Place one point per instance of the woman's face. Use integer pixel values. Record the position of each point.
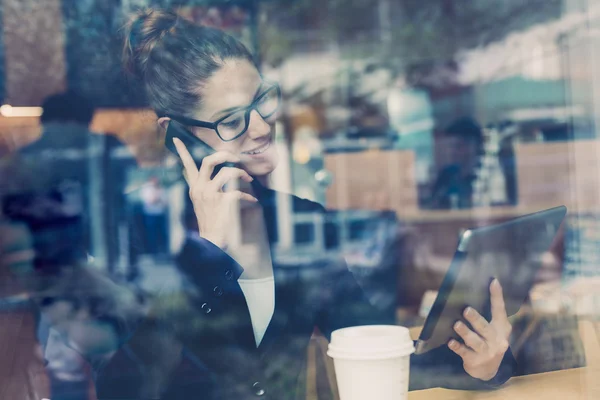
(235, 85)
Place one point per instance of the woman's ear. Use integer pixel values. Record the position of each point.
(164, 122)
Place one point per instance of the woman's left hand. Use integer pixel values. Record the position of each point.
(485, 345)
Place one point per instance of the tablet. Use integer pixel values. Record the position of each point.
(511, 251)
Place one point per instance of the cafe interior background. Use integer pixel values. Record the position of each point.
(379, 96)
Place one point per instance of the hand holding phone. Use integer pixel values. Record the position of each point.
(191, 143)
(214, 208)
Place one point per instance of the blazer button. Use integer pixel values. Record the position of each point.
(228, 275)
(206, 308)
(258, 389)
(218, 291)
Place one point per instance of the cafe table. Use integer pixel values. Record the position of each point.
(570, 384)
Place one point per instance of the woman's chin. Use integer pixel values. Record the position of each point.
(261, 170)
(263, 167)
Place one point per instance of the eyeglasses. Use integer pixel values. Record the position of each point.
(235, 124)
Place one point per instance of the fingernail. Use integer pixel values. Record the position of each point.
(468, 311)
(452, 344)
(457, 325)
(496, 283)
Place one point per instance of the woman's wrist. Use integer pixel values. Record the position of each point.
(220, 243)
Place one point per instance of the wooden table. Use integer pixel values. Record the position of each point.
(572, 384)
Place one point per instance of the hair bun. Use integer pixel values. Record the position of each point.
(145, 29)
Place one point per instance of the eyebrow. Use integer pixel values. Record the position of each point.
(222, 113)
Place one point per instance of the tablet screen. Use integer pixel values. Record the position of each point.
(511, 252)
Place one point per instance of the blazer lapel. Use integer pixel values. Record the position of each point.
(284, 301)
(281, 314)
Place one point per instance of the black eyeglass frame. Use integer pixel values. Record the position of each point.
(248, 110)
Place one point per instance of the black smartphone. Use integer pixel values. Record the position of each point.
(191, 142)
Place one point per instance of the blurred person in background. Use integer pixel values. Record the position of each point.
(54, 176)
(46, 189)
(154, 208)
(116, 161)
(243, 328)
(463, 144)
(57, 317)
(51, 191)
(82, 169)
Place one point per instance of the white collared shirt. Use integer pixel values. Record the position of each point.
(260, 297)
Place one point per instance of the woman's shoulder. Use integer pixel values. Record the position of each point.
(300, 204)
(303, 204)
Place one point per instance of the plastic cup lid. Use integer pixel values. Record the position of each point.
(371, 342)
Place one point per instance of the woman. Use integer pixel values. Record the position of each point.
(244, 329)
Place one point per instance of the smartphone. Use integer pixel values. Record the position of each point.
(192, 143)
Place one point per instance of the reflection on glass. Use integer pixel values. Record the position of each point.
(408, 122)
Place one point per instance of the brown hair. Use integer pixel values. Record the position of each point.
(173, 57)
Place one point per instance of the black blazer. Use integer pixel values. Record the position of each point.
(201, 343)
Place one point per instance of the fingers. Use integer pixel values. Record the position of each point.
(463, 351)
(479, 324)
(486, 344)
(210, 162)
(238, 195)
(471, 339)
(498, 306)
(185, 176)
(189, 165)
(227, 174)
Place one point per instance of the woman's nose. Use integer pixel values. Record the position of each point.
(257, 126)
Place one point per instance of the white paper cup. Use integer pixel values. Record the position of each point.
(372, 362)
